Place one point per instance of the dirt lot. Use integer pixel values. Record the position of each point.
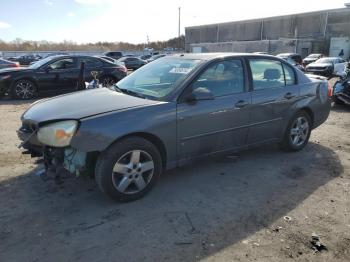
(223, 209)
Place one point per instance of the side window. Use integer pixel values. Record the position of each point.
(91, 63)
(266, 73)
(289, 75)
(63, 64)
(222, 78)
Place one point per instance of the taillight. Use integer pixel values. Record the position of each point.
(330, 90)
(123, 69)
(15, 65)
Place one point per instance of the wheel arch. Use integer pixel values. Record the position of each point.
(310, 113)
(155, 140)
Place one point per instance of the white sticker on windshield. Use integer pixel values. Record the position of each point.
(180, 70)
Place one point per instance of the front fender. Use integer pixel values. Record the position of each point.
(97, 133)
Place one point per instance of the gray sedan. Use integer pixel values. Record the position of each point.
(170, 112)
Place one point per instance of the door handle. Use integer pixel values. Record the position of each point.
(241, 103)
(289, 95)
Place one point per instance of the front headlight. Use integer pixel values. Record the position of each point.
(58, 134)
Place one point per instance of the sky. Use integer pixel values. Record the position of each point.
(132, 21)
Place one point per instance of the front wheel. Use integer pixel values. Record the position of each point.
(128, 169)
(298, 132)
(24, 89)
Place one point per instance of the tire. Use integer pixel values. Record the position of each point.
(119, 173)
(338, 101)
(298, 132)
(107, 81)
(24, 89)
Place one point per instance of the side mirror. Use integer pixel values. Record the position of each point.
(200, 93)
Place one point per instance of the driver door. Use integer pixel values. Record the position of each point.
(219, 124)
(60, 76)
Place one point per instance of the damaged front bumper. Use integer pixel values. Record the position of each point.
(56, 159)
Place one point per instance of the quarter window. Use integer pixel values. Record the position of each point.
(222, 78)
(266, 73)
(289, 75)
(91, 62)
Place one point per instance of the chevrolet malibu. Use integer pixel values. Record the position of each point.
(172, 111)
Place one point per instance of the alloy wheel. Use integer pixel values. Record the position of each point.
(24, 89)
(299, 131)
(108, 81)
(133, 171)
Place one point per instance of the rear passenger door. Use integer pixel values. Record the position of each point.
(274, 92)
(91, 64)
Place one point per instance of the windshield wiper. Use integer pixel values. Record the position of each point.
(132, 93)
(116, 88)
(129, 92)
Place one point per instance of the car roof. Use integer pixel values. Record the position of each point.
(287, 54)
(211, 56)
(332, 58)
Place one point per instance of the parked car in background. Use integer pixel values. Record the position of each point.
(112, 60)
(155, 57)
(296, 57)
(133, 63)
(328, 66)
(114, 54)
(145, 57)
(295, 64)
(7, 64)
(56, 75)
(56, 53)
(341, 89)
(311, 58)
(261, 53)
(24, 59)
(171, 112)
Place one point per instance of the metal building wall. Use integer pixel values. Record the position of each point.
(299, 32)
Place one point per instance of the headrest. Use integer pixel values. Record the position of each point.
(272, 74)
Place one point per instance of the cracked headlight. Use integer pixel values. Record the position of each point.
(58, 134)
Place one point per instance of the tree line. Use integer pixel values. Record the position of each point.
(43, 45)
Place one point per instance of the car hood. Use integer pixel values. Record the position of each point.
(83, 104)
(320, 64)
(13, 70)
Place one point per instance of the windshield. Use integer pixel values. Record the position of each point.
(325, 61)
(39, 63)
(159, 78)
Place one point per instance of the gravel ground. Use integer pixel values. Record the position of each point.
(258, 205)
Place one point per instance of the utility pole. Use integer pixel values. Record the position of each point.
(179, 27)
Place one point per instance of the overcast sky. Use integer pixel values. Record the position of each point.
(132, 20)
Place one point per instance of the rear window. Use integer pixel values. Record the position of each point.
(266, 73)
(271, 74)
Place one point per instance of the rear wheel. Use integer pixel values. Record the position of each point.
(129, 169)
(298, 132)
(24, 89)
(107, 81)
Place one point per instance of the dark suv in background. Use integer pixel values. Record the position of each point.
(115, 54)
(24, 59)
(56, 75)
